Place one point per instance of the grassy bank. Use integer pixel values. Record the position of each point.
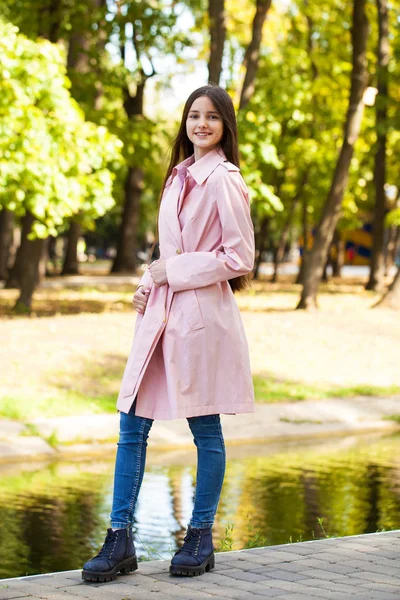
(71, 362)
(267, 390)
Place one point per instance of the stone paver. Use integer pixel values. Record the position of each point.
(366, 567)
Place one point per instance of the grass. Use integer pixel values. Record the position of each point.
(28, 408)
(395, 418)
(30, 430)
(52, 440)
(268, 390)
(257, 540)
(226, 543)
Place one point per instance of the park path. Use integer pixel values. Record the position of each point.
(364, 567)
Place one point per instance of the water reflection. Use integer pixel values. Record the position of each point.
(52, 517)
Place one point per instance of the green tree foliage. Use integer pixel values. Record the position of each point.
(53, 162)
(300, 103)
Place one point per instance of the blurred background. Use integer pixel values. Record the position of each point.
(91, 94)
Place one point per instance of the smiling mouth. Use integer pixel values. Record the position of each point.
(203, 134)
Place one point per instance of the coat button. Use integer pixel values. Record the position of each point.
(179, 251)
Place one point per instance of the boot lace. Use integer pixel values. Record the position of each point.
(109, 545)
(192, 541)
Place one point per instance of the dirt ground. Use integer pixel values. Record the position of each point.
(345, 343)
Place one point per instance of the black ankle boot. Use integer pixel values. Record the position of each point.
(117, 555)
(196, 555)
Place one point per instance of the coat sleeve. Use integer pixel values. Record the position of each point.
(146, 280)
(235, 255)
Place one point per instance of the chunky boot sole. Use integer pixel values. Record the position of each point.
(124, 567)
(186, 571)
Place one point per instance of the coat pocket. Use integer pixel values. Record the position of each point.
(189, 304)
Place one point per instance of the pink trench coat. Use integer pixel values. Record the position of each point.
(189, 355)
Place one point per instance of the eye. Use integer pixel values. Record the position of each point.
(192, 116)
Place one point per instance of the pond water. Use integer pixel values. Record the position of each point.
(53, 516)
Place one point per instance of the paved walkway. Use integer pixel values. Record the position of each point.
(270, 422)
(364, 567)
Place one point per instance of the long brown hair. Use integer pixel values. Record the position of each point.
(182, 147)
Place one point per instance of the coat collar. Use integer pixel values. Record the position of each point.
(202, 168)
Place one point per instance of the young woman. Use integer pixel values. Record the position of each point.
(189, 356)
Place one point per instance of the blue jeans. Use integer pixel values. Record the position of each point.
(131, 460)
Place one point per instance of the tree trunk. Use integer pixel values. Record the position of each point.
(100, 46)
(50, 18)
(392, 297)
(280, 251)
(302, 270)
(392, 248)
(44, 259)
(51, 256)
(306, 235)
(78, 61)
(388, 253)
(314, 75)
(377, 270)
(78, 49)
(325, 276)
(125, 260)
(71, 264)
(287, 227)
(30, 275)
(260, 244)
(338, 261)
(6, 223)
(16, 273)
(25, 272)
(331, 210)
(216, 14)
(252, 55)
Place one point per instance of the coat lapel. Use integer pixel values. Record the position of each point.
(169, 213)
(172, 201)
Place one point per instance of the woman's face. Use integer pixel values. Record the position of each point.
(204, 126)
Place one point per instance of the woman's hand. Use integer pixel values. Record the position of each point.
(140, 298)
(158, 272)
